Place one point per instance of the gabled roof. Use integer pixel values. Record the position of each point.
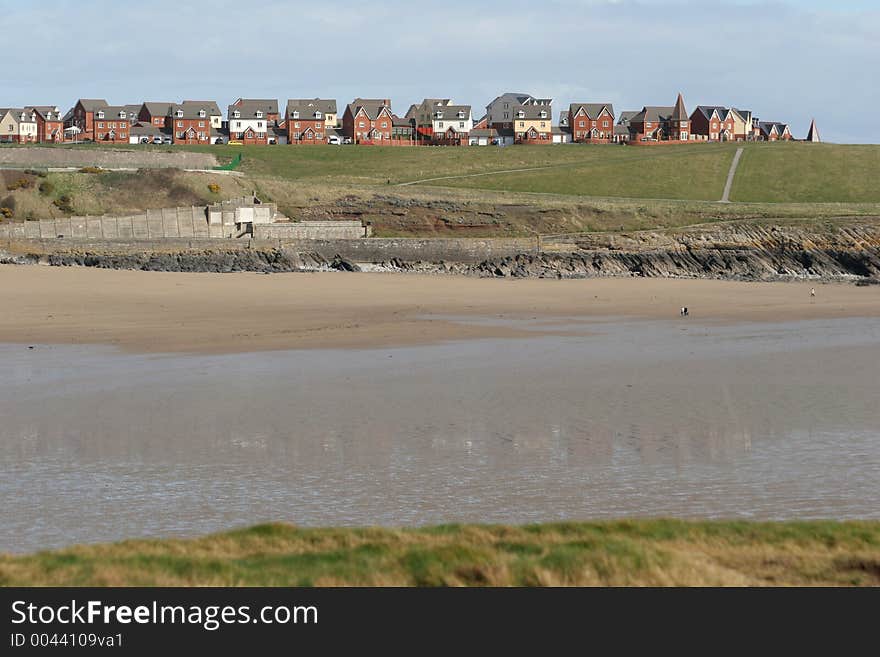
(451, 111)
(626, 117)
(112, 112)
(532, 112)
(514, 98)
(157, 108)
(250, 106)
(592, 110)
(813, 132)
(191, 109)
(372, 107)
(307, 107)
(400, 121)
(19, 114)
(45, 110)
(768, 126)
(211, 105)
(653, 114)
(91, 104)
(484, 132)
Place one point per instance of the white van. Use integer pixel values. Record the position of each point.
(334, 139)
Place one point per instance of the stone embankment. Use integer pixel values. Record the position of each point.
(737, 252)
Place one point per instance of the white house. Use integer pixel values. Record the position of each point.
(438, 119)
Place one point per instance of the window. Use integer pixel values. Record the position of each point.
(543, 124)
(236, 114)
(180, 124)
(605, 124)
(522, 124)
(294, 114)
(238, 124)
(648, 124)
(360, 124)
(202, 114)
(461, 124)
(122, 135)
(259, 124)
(384, 124)
(259, 114)
(101, 125)
(684, 135)
(179, 114)
(581, 124)
(180, 135)
(318, 115)
(296, 125)
(100, 115)
(440, 124)
(201, 124)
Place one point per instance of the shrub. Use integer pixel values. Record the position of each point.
(21, 183)
(35, 172)
(46, 187)
(6, 213)
(91, 170)
(64, 203)
(214, 188)
(8, 202)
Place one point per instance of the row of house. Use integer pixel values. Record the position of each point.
(511, 118)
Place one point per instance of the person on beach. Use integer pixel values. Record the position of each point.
(812, 291)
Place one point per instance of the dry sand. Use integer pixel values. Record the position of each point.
(176, 312)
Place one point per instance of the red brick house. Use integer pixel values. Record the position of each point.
(773, 131)
(715, 123)
(82, 117)
(268, 106)
(190, 122)
(368, 120)
(306, 120)
(156, 114)
(50, 123)
(111, 124)
(661, 124)
(591, 122)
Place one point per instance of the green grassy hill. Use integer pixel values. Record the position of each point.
(623, 553)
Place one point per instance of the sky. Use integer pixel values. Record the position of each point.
(786, 60)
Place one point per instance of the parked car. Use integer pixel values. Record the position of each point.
(145, 140)
(334, 139)
(157, 140)
(166, 140)
(347, 140)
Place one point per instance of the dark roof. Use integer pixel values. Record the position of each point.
(211, 105)
(191, 109)
(250, 106)
(400, 121)
(592, 110)
(91, 104)
(371, 106)
(308, 106)
(112, 112)
(626, 117)
(156, 109)
(484, 132)
(653, 114)
(679, 113)
(533, 112)
(45, 110)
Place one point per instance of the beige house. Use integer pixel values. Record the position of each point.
(18, 125)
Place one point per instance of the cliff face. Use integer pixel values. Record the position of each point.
(739, 252)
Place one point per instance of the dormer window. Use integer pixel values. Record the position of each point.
(202, 114)
(122, 114)
(520, 114)
(179, 113)
(318, 115)
(294, 114)
(236, 114)
(438, 114)
(100, 114)
(543, 114)
(461, 114)
(259, 114)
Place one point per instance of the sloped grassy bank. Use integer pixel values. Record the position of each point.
(638, 552)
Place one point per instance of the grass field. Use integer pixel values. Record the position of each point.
(478, 192)
(644, 552)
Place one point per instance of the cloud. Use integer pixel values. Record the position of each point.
(785, 61)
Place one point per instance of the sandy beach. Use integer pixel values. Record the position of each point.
(240, 312)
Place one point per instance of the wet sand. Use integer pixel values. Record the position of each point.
(243, 312)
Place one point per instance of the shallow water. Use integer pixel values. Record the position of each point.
(625, 418)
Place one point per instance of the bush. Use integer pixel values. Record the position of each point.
(64, 203)
(35, 172)
(46, 187)
(214, 188)
(6, 213)
(8, 202)
(21, 183)
(91, 170)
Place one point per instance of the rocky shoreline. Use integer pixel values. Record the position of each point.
(731, 252)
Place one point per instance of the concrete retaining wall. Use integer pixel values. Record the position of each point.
(462, 250)
(311, 230)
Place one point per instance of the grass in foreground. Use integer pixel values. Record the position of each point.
(625, 553)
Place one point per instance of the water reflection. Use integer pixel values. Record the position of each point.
(639, 420)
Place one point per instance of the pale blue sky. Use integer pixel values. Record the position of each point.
(785, 60)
